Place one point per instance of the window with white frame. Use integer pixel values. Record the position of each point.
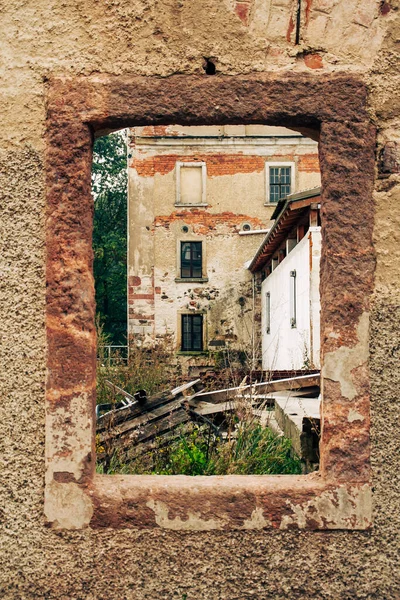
(191, 183)
(279, 181)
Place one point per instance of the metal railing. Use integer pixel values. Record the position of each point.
(112, 354)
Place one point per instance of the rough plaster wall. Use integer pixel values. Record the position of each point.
(40, 39)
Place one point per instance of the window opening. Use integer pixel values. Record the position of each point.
(268, 312)
(192, 333)
(105, 502)
(293, 300)
(187, 319)
(279, 182)
(191, 259)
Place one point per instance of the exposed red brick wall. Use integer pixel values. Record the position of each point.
(223, 164)
(141, 300)
(134, 280)
(309, 163)
(204, 222)
(313, 61)
(290, 29)
(217, 164)
(140, 317)
(158, 130)
(242, 9)
(133, 297)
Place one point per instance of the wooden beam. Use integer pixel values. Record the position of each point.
(151, 430)
(266, 387)
(145, 418)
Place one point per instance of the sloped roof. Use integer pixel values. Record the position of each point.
(287, 213)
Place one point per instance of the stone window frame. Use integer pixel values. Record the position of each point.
(182, 259)
(179, 333)
(181, 165)
(191, 237)
(293, 177)
(331, 107)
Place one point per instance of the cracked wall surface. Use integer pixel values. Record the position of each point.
(41, 41)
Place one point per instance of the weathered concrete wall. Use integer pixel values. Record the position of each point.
(232, 186)
(152, 38)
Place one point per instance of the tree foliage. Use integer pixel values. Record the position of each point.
(109, 187)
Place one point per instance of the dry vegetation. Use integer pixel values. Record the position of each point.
(235, 443)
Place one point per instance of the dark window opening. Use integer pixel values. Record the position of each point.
(192, 333)
(279, 183)
(191, 259)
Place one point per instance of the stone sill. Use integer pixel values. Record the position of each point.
(191, 205)
(192, 353)
(229, 502)
(191, 279)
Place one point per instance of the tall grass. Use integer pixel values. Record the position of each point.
(248, 448)
(254, 450)
(149, 369)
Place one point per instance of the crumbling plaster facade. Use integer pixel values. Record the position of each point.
(228, 168)
(41, 41)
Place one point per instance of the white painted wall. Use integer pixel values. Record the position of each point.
(285, 347)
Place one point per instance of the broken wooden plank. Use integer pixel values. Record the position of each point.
(185, 387)
(213, 409)
(292, 383)
(144, 418)
(163, 440)
(151, 430)
(118, 390)
(134, 410)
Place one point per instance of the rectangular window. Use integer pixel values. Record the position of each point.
(192, 333)
(191, 183)
(293, 322)
(191, 260)
(280, 182)
(268, 312)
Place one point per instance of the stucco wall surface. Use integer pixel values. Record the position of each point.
(40, 40)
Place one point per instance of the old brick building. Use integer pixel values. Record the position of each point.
(200, 202)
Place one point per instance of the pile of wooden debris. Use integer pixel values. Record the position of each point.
(138, 424)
